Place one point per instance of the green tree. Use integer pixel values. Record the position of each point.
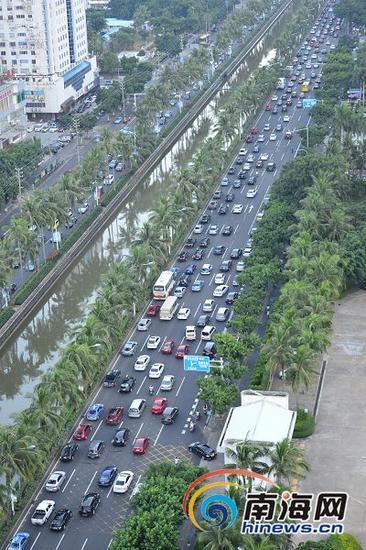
(287, 462)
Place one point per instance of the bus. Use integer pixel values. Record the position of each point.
(305, 87)
(204, 39)
(168, 308)
(163, 285)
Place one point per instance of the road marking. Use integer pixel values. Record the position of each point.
(138, 432)
(115, 362)
(91, 481)
(137, 482)
(110, 542)
(98, 392)
(157, 437)
(142, 383)
(95, 433)
(33, 545)
(228, 279)
(180, 386)
(110, 490)
(211, 281)
(144, 344)
(236, 228)
(197, 310)
(68, 481)
(250, 208)
(283, 154)
(162, 343)
(120, 426)
(197, 348)
(246, 207)
(226, 251)
(59, 544)
(209, 254)
(83, 546)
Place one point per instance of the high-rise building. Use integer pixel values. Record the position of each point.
(44, 43)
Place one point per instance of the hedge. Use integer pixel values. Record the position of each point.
(259, 379)
(344, 542)
(305, 424)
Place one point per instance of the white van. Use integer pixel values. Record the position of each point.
(190, 333)
(207, 332)
(137, 407)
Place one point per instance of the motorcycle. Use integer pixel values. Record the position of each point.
(192, 426)
(13, 288)
(151, 390)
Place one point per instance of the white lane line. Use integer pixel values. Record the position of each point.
(83, 546)
(197, 310)
(110, 542)
(115, 361)
(68, 481)
(228, 279)
(137, 482)
(224, 254)
(180, 386)
(197, 348)
(144, 344)
(120, 426)
(181, 342)
(283, 154)
(95, 432)
(236, 228)
(138, 431)
(110, 490)
(33, 545)
(59, 544)
(211, 280)
(91, 481)
(209, 254)
(246, 208)
(157, 437)
(162, 344)
(142, 383)
(98, 392)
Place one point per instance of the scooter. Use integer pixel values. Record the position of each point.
(151, 390)
(13, 288)
(192, 426)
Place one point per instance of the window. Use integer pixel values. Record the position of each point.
(14, 62)
(3, 53)
(33, 52)
(13, 53)
(34, 61)
(23, 52)
(19, 17)
(4, 62)
(2, 44)
(12, 44)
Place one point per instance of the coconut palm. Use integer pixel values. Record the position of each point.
(221, 539)
(71, 189)
(301, 371)
(18, 455)
(249, 456)
(94, 333)
(148, 234)
(24, 240)
(46, 414)
(279, 348)
(287, 462)
(258, 542)
(83, 358)
(6, 268)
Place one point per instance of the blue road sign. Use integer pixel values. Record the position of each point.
(307, 103)
(198, 363)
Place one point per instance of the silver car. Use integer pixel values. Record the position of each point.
(144, 324)
(167, 382)
(55, 481)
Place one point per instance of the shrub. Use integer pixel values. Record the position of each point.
(259, 379)
(343, 542)
(5, 315)
(305, 424)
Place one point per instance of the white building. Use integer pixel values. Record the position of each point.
(44, 43)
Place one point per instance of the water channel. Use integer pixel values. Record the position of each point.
(36, 348)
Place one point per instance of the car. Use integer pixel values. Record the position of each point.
(198, 229)
(190, 269)
(208, 305)
(89, 504)
(167, 383)
(222, 314)
(286, 118)
(271, 167)
(231, 170)
(140, 445)
(239, 161)
(118, 120)
(183, 313)
(68, 451)
(19, 541)
(96, 447)
(152, 310)
(213, 229)
(252, 180)
(243, 151)
(267, 107)
(142, 362)
(220, 290)
(127, 384)
(256, 148)
(111, 377)
(123, 481)
(153, 342)
(217, 194)
(219, 249)
(144, 324)
(236, 253)
(190, 242)
(61, 519)
(197, 286)
(226, 265)
(55, 481)
(107, 476)
(212, 205)
(182, 350)
(183, 256)
(246, 167)
(242, 175)
(202, 450)
(229, 197)
(95, 411)
(288, 135)
(272, 137)
(254, 130)
(240, 266)
(224, 182)
(82, 432)
(222, 209)
(247, 251)
(227, 230)
(231, 297)
(249, 139)
(43, 511)
(169, 415)
(159, 404)
(198, 255)
(237, 208)
(267, 127)
(275, 110)
(202, 321)
(204, 242)
(129, 348)
(261, 138)
(205, 218)
(279, 127)
(114, 416)
(29, 266)
(259, 163)
(121, 437)
(120, 166)
(219, 279)
(156, 370)
(237, 184)
(299, 105)
(168, 346)
(264, 156)
(251, 193)
(206, 269)
(108, 180)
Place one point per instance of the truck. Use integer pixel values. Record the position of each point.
(281, 84)
(168, 308)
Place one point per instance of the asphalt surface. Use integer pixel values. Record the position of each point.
(166, 442)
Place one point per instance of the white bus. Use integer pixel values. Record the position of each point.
(163, 285)
(168, 308)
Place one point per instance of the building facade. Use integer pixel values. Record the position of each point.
(44, 44)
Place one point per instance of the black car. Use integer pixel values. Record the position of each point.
(236, 253)
(284, 97)
(252, 180)
(169, 415)
(209, 350)
(127, 384)
(231, 297)
(237, 184)
(212, 205)
(274, 110)
(198, 255)
(96, 447)
(204, 242)
(222, 209)
(190, 242)
(229, 197)
(231, 170)
(205, 218)
(284, 108)
(242, 175)
(227, 230)
(202, 450)
(289, 101)
(217, 195)
(68, 452)
(183, 256)
(226, 266)
(202, 321)
(271, 167)
(61, 519)
(219, 250)
(111, 378)
(184, 280)
(121, 437)
(239, 160)
(89, 503)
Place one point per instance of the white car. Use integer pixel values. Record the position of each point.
(261, 213)
(122, 482)
(142, 362)
(153, 342)
(42, 512)
(264, 156)
(286, 118)
(180, 291)
(220, 290)
(237, 209)
(183, 313)
(83, 209)
(144, 324)
(251, 193)
(206, 269)
(250, 158)
(267, 127)
(213, 229)
(272, 137)
(55, 481)
(167, 382)
(246, 167)
(240, 266)
(108, 180)
(156, 370)
(198, 229)
(260, 138)
(243, 151)
(219, 279)
(208, 306)
(247, 251)
(274, 98)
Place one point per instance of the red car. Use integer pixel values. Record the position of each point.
(114, 416)
(254, 130)
(82, 432)
(182, 350)
(267, 107)
(159, 405)
(140, 445)
(152, 310)
(167, 347)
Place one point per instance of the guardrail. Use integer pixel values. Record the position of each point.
(39, 295)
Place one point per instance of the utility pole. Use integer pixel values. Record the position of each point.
(122, 87)
(76, 128)
(181, 49)
(19, 174)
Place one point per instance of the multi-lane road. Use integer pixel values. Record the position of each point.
(168, 442)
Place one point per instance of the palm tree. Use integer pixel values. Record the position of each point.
(83, 358)
(258, 543)
(221, 539)
(6, 268)
(148, 234)
(301, 371)
(279, 348)
(71, 189)
(24, 240)
(47, 416)
(287, 462)
(249, 456)
(94, 334)
(18, 455)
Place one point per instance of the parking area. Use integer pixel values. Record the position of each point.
(337, 449)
